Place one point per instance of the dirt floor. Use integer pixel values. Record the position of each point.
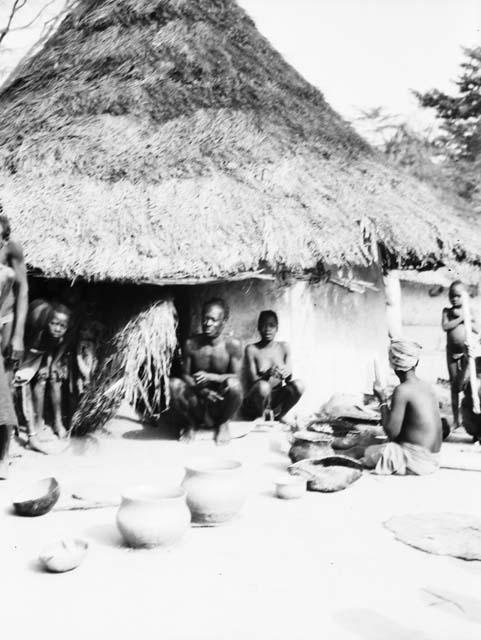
(322, 566)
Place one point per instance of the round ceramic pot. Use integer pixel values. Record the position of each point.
(215, 490)
(289, 487)
(308, 444)
(150, 517)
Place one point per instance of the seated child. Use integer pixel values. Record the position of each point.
(46, 367)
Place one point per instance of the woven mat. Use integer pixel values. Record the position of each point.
(444, 534)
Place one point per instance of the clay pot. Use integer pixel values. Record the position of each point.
(215, 490)
(308, 444)
(151, 517)
(64, 555)
(38, 499)
(289, 487)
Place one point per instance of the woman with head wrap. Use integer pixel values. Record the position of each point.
(412, 423)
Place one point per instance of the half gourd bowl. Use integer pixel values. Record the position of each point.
(37, 499)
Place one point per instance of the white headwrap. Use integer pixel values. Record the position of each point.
(404, 354)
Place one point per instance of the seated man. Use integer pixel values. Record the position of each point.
(412, 425)
(209, 393)
(269, 373)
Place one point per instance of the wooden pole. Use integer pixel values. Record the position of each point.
(471, 363)
(392, 291)
(377, 372)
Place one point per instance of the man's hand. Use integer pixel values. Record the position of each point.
(201, 378)
(379, 391)
(16, 349)
(211, 395)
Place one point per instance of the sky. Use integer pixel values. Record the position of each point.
(370, 53)
(360, 53)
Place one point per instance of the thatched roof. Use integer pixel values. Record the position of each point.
(153, 139)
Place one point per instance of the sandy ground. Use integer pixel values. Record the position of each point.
(322, 566)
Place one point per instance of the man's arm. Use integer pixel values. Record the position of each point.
(392, 420)
(17, 262)
(252, 372)
(187, 364)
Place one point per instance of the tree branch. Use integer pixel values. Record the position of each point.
(29, 24)
(16, 6)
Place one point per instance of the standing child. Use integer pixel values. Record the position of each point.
(453, 325)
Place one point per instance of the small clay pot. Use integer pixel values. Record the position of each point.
(64, 555)
(289, 487)
(215, 490)
(308, 444)
(151, 517)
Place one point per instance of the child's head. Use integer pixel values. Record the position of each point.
(59, 321)
(455, 291)
(268, 324)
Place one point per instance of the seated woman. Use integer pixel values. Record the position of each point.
(46, 367)
(269, 370)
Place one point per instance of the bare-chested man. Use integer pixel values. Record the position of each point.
(412, 424)
(269, 372)
(13, 312)
(209, 393)
(8, 419)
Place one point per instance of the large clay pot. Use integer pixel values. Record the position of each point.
(308, 444)
(215, 490)
(151, 517)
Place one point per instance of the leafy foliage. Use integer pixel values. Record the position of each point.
(460, 118)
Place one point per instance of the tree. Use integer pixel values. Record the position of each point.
(460, 115)
(460, 119)
(15, 8)
(449, 159)
(418, 152)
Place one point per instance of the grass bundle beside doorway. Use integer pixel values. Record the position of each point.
(136, 367)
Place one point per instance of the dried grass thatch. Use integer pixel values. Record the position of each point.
(136, 368)
(153, 139)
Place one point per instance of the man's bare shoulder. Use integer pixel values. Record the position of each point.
(415, 389)
(193, 343)
(14, 250)
(233, 346)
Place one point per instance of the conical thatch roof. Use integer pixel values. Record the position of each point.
(155, 139)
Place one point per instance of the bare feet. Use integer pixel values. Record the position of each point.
(187, 435)
(4, 469)
(222, 437)
(37, 445)
(60, 430)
